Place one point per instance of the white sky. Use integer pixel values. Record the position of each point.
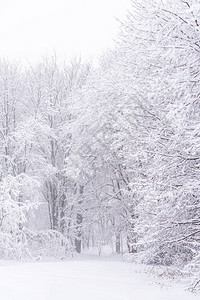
(30, 29)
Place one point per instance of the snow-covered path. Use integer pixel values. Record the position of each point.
(89, 279)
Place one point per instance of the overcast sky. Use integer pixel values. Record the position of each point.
(30, 29)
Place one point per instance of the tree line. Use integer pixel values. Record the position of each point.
(107, 155)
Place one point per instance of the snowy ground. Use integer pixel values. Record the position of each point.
(87, 278)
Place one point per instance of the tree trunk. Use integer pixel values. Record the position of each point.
(118, 244)
(53, 200)
(79, 221)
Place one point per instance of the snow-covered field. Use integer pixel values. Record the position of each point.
(83, 279)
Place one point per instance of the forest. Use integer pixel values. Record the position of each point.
(109, 154)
